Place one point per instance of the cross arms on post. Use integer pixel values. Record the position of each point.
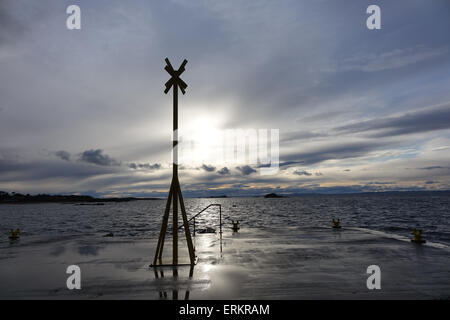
(175, 77)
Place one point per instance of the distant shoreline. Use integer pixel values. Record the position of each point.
(17, 198)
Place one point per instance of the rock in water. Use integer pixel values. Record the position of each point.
(272, 195)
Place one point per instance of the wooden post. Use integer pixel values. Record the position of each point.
(187, 232)
(220, 223)
(160, 246)
(175, 195)
(175, 175)
(175, 229)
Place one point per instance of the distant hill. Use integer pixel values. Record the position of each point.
(273, 195)
(13, 197)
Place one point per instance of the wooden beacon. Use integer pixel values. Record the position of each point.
(175, 195)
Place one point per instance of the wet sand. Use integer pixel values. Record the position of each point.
(288, 263)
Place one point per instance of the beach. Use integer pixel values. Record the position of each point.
(292, 263)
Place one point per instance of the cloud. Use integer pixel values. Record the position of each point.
(301, 135)
(302, 173)
(223, 171)
(379, 183)
(431, 119)
(246, 170)
(63, 155)
(432, 168)
(289, 163)
(146, 166)
(97, 157)
(332, 151)
(394, 59)
(441, 148)
(337, 92)
(14, 170)
(208, 168)
(10, 27)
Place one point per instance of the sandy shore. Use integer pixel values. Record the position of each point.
(292, 263)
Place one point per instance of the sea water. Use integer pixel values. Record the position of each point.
(396, 214)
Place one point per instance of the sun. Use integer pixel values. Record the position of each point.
(201, 141)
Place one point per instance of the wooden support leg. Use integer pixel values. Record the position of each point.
(186, 229)
(175, 224)
(191, 274)
(162, 234)
(164, 229)
(175, 277)
(173, 198)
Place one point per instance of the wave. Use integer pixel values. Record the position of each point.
(401, 238)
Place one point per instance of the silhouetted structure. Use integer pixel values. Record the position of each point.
(163, 292)
(417, 236)
(175, 191)
(336, 224)
(272, 195)
(235, 226)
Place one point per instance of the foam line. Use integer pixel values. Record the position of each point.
(402, 238)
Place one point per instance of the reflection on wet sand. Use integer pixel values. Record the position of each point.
(159, 275)
(287, 263)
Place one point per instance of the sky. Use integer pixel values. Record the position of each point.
(358, 110)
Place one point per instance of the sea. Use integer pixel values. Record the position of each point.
(395, 214)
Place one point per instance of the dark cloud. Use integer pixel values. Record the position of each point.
(63, 155)
(208, 168)
(289, 163)
(379, 183)
(319, 174)
(146, 166)
(126, 183)
(432, 168)
(133, 165)
(408, 123)
(347, 170)
(13, 170)
(97, 157)
(246, 170)
(224, 171)
(10, 27)
(332, 152)
(301, 135)
(302, 173)
(322, 116)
